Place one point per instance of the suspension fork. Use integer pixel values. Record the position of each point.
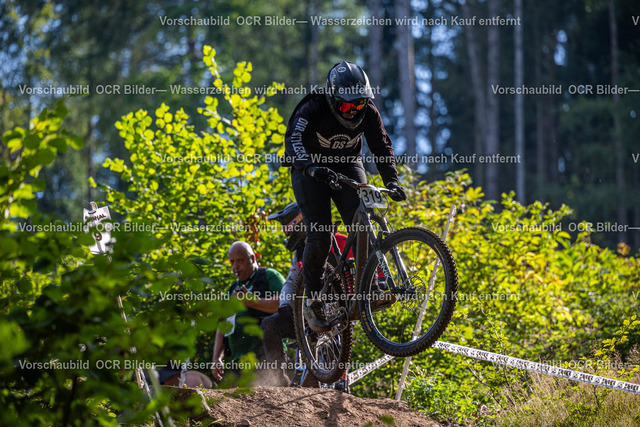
(402, 269)
(362, 243)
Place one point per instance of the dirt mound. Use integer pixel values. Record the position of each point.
(283, 406)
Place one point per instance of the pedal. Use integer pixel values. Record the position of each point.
(339, 318)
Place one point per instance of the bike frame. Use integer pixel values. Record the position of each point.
(364, 236)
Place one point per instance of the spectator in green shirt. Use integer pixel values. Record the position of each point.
(258, 288)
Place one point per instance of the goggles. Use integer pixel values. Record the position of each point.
(345, 106)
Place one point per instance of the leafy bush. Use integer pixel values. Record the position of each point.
(201, 191)
(204, 190)
(63, 334)
(69, 357)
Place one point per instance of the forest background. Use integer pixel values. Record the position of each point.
(575, 145)
(544, 244)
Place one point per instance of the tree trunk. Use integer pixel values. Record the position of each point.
(312, 72)
(374, 67)
(519, 107)
(493, 106)
(540, 151)
(478, 93)
(636, 209)
(430, 62)
(617, 131)
(554, 151)
(375, 49)
(551, 123)
(406, 70)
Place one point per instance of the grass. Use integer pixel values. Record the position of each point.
(563, 403)
(388, 420)
(239, 392)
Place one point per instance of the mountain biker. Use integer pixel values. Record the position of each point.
(324, 136)
(280, 325)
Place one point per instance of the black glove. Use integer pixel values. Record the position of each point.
(398, 194)
(321, 173)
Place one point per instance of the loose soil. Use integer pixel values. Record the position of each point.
(289, 406)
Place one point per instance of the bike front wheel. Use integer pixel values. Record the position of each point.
(325, 354)
(407, 319)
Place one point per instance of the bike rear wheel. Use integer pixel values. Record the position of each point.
(326, 354)
(426, 278)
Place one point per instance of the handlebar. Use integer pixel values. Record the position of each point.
(335, 185)
(352, 183)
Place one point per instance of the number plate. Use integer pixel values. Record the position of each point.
(371, 197)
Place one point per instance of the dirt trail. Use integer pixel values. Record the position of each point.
(284, 406)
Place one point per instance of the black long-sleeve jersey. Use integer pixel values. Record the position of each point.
(314, 136)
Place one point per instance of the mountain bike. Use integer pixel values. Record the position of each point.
(403, 293)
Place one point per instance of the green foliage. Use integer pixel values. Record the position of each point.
(69, 358)
(526, 289)
(30, 150)
(387, 419)
(202, 191)
(439, 396)
(43, 321)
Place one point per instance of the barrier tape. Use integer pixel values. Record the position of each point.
(513, 362)
(541, 368)
(367, 369)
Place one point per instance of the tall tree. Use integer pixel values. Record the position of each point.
(375, 49)
(406, 74)
(492, 143)
(617, 130)
(541, 169)
(479, 94)
(312, 55)
(519, 105)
